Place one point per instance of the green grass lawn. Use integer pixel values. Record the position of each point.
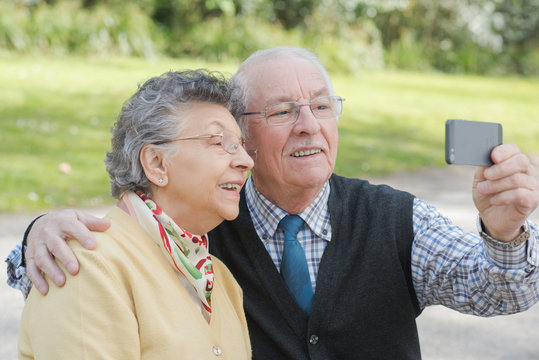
(395, 121)
(56, 113)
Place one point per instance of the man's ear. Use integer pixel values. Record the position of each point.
(153, 162)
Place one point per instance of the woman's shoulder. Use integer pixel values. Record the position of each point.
(124, 234)
(124, 243)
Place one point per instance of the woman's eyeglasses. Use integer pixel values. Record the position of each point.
(228, 140)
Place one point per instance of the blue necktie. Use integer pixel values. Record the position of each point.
(294, 268)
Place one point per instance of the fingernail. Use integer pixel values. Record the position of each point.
(89, 243)
(71, 267)
(58, 280)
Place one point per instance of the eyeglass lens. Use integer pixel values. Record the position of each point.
(323, 107)
(231, 143)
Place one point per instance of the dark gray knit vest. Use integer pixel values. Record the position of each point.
(364, 306)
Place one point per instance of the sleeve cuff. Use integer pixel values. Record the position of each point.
(24, 237)
(505, 255)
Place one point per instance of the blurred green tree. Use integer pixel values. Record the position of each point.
(478, 36)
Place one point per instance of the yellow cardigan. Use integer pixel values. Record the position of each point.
(128, 303)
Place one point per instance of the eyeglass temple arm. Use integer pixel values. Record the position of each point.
(194, 137)
(254, 113)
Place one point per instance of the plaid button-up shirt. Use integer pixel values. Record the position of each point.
(449, 267)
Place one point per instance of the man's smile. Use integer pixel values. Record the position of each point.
(302, 153)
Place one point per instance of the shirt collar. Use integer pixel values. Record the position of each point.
(266, 215)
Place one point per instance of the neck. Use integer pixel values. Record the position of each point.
(191, 224)
(125, 205)
(293, 200)
(183, 215)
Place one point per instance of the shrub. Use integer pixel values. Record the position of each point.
(68, 27)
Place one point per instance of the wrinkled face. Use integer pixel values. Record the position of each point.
(204, 180)
(296, 157)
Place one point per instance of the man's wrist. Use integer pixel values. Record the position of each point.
(25, 237)
(520, 239)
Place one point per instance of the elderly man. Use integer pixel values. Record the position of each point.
(346, 278)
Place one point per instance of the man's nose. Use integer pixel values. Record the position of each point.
(307, 122)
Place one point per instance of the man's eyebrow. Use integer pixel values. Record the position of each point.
(279, 99)
(284, 98)
(323, 91)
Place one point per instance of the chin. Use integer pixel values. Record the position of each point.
(313, 180)
(230, 214)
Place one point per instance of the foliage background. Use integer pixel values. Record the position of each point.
(479, 36)
(403, 66)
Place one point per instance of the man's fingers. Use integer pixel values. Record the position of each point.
(514, 164)
(63, 254)
(93, 223)
(503, 152)
(46, 245)
(37, 279)
(43, 260)
(515, 181)
(87, 223)
(524, 200)
(67, 224)
(73, 230)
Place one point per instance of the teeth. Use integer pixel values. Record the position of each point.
(306, 152)
(230, 186)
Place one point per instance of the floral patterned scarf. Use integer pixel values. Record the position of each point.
(187, 253)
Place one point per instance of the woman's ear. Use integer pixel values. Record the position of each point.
(153, 162)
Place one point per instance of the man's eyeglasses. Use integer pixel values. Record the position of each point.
(228, 140)
(285, 113)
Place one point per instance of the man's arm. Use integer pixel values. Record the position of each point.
(473, 275)
(465, 273)
(16, 271)
(45, 241)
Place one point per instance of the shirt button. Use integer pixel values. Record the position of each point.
(217, 351)
(265, 236)
(313, 340)
(325, 232)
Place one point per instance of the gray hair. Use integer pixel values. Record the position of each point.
(154, 114)
(242, 80)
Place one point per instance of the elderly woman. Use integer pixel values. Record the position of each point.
(151, 290)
